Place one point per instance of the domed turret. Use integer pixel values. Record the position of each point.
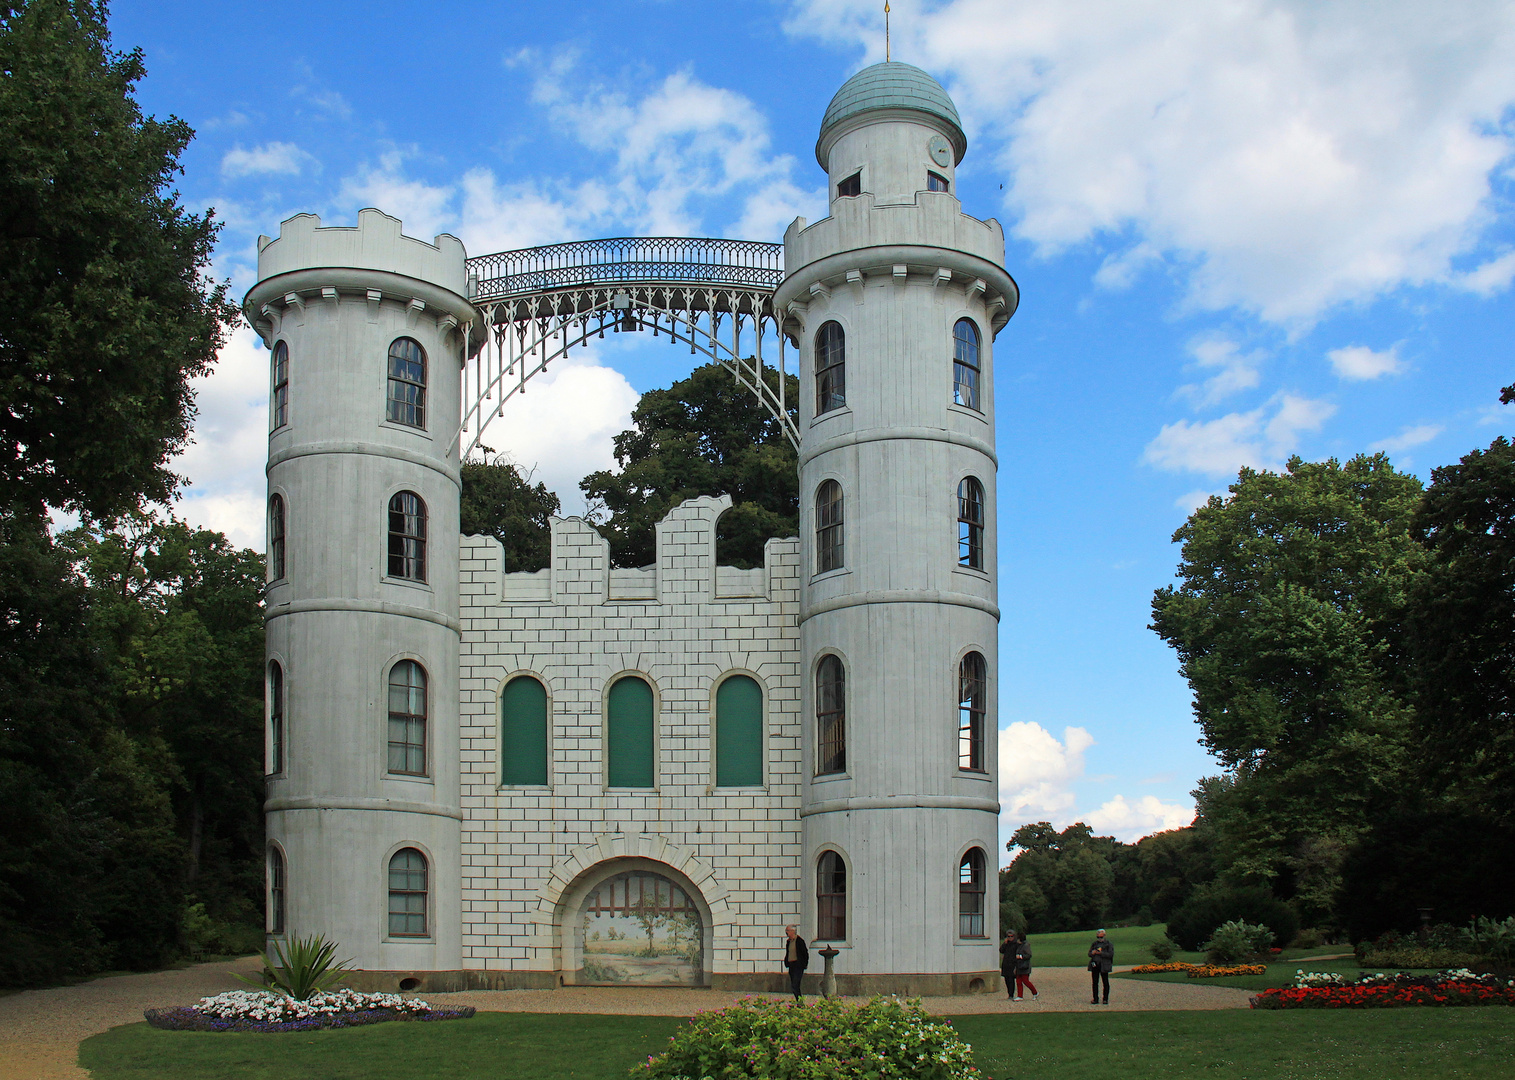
(890, 88)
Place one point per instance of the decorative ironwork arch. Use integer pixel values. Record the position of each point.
(539, 303)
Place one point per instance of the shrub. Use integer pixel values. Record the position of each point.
(1307, 939)
(1491, 938)
(1195, 922)
(1161, 949)
(1235, 940)
(884, 1039)
(1415, 956)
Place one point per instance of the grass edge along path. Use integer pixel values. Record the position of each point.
(1457, 1043)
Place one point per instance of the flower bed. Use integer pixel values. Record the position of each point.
(244, 1010)
(1201, 971)
(1329, 990)
(881, 1039)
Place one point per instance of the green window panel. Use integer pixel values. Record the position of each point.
(523, 732)
(739, 733)
(629, 735)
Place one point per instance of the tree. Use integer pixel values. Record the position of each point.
(499, 501)
(704, 435)
(105, 311)
(1060, 880)
(1293, 592)
(1460, 645)
(177, 616)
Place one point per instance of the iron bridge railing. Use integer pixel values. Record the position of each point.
(673, 260)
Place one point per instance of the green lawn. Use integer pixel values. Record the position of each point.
(1240, 1045)
(1071, 949)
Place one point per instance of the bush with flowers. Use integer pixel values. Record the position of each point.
(883, 1039)
(1328, 990)
(261, 1010)
(1202, 971)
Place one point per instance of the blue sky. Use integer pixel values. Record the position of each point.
(1242, 230)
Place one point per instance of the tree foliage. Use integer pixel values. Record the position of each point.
(1461, 637)
(130, 743)
(105, 313)
(1293, 591)
(499, 501)
(704, 435)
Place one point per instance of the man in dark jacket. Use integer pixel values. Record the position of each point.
(1007, 962)
(1101, 960)
(796, 959)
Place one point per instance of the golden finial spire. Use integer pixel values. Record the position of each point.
(886, 31)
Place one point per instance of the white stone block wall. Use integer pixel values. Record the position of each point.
(530, 853)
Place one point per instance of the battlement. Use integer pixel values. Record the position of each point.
(930, 219)
(375, 243)
(685, 571)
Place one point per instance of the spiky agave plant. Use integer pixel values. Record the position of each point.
(306, 968)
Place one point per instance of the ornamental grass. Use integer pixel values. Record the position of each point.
(1402, 990)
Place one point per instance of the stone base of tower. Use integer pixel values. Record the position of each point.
(750, 982)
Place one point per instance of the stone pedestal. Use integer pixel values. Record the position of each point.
(828, 977)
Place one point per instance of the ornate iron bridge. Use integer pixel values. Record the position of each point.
(705, 293)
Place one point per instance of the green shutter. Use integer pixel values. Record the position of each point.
(628, 735)
(523, 732)
(739, 733)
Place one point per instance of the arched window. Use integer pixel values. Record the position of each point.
(831, 898)
(275, 538)
(970, 894)
(281, 384)
(407, 382)
(830, 368)
(275, 718)
(851, 187)
(407, 719)
(275, 891)
(830, 552)
(972, 710)
(523, 732)
(739, 733)
(937, 182)
(407, 536)
(970, 524)
(965, 364)
(830, 716)
(407, 894)
(629, 758)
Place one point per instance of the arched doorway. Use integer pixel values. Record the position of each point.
(640, 928)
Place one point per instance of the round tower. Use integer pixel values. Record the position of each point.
(366, 332)
(895, 299)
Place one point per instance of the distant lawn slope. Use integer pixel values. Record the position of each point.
(1071, 949)
(1477, 1044)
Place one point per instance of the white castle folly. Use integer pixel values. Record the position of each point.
(598, 775)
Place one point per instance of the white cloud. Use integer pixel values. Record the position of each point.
(275, 158)
(562, 426)
(1360, 363)
(229, 445)
(1286, 156)
(1234, 371)
(1237, 440)
(1492, 277)
(1408, 439)
(1129, 821)
(425, 209)
(1036, 771)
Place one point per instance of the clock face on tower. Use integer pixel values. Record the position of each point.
(940, 149)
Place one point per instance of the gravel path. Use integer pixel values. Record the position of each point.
(40, 1030)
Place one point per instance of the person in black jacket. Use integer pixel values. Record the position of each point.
(796, 959)
(1023, 970)
(1101, 960)
(1007, 962)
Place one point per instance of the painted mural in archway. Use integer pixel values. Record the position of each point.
(640, 928)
